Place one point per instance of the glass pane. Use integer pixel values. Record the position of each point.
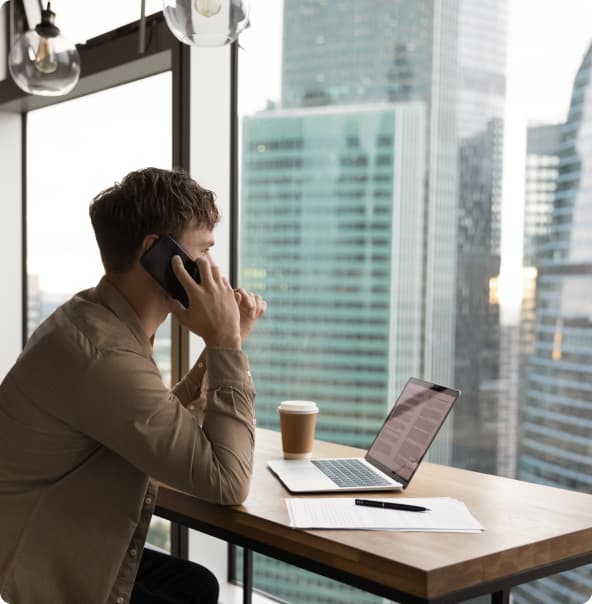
(384, 207)
(73, 153)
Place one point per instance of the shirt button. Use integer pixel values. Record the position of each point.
(120, 600)
(133, 552)
(191, 407)
(200, 365)
(148, 500)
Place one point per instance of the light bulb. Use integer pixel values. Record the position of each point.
(46, 59)
(206, 22)
(42, 61)
(208, 8)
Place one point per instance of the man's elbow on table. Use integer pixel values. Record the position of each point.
(235, 484)
(229, 493)
(226, 483)
(237, 497)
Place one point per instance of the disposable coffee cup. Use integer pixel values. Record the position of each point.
(297, 423)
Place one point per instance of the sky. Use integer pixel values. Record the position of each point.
(77, 149)
(547, 39)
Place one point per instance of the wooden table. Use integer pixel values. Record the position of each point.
(532, 531)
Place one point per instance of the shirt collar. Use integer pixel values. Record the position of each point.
(115, 301)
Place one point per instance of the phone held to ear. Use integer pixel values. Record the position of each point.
(157, 261)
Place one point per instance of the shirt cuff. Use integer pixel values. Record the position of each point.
(193, 380)
(227, 367)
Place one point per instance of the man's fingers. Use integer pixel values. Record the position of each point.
(252, 304)
(226, 283)
(242, 297)
(217, 275)
(205, 270)
(261, 305)
(181, 273)
(176, 307)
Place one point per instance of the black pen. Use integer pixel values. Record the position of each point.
(391, 505)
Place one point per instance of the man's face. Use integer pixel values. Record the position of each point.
(198, 242)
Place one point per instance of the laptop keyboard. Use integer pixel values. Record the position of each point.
(349, 473)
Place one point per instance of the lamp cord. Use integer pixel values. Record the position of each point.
(142, 28)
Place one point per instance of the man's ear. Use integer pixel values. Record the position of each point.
(147, 243)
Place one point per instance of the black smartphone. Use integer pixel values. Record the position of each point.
(157, 261)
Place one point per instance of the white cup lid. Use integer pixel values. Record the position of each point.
(298, 407)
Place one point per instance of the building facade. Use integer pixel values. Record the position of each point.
(555, 439)
(332, 233)
(480, 109)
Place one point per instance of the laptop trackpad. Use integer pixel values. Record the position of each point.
(300, 476)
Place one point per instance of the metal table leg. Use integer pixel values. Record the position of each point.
(501, 597)
(247, 576)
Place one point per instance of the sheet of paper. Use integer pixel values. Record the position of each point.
(445, 515)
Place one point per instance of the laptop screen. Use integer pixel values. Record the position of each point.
(410, 428)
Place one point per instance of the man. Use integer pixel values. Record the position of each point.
(87, 427)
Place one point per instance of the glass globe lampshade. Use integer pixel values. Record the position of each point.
(42, 61)
(206, 22)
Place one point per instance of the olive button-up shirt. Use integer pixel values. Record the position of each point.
(88, 429)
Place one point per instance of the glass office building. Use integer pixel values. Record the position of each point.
(477, 337)
(331, 57)
(334, 131)
(540, 184)
(555, 443)
(332, 225)
(480, 109)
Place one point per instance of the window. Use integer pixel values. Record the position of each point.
(382, 216)
(75, 149)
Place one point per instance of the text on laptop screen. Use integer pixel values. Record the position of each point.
(410, 428)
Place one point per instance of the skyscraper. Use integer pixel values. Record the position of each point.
(555, 443)
(541, 172)
(331, 59)
(475, 419)
(482, 33)
(333, 234)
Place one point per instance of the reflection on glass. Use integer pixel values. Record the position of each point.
(67, 167)
(372, 173)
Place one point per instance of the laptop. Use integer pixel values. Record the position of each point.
(394, 456)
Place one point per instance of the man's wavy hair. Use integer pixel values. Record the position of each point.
(145, 202)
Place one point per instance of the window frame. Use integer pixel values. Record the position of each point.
(110, 60)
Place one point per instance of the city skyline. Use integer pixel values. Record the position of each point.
(350, 212)
(540, 76)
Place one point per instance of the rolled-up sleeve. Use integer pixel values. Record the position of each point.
(125, 406)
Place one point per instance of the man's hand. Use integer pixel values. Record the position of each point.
(213, 312)
(251, 306)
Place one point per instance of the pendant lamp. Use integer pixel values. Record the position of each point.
(206, 22)
(42, 61)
